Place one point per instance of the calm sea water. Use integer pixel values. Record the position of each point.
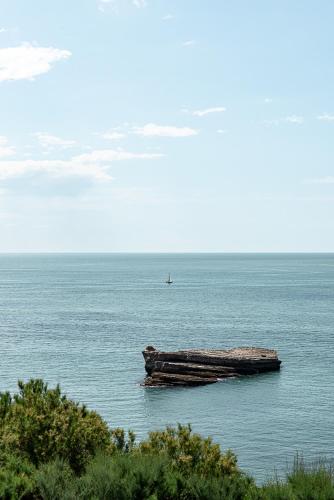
(82, 320)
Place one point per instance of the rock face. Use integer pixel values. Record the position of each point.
(204, 366)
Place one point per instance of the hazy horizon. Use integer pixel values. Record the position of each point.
(164, 253)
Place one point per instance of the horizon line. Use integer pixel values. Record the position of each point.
(98, 252)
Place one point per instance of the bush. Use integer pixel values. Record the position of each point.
(137, 477)
(196, 487)
(190, 452)
(122, 477)
(42, 424)
(56, 481)
(16, 477)
(122, 441)
(303, 483)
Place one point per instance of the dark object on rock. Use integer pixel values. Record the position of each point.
(205, 366)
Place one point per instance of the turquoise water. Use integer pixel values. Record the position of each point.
(82, 320)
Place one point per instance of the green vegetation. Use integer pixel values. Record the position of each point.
(41, 424)
(53, 448)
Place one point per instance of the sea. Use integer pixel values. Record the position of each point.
(82, 320)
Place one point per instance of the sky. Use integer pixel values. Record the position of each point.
(166, 126)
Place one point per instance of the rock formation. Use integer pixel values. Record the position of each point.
(205, 366)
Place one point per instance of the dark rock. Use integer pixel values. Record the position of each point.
(170, 379)
(205, 366)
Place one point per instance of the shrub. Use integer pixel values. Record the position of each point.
(303, 483)
(122, 477)
(43, 424)
(196, 487)
(312, 483)
(122, 441)
(190, 452)
(16, 477)
(56, 481)
(144, 476)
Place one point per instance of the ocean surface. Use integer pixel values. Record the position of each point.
(83, 319)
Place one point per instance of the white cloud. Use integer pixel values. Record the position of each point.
(154, 130)
(271, 122)
(294, 119)
(109, 155)
(221, 131)
(189, 43)
(139, 3)
(297, 120)
(55, 168)
(113, 135)
(321, 180)
(51, 141)
(27, 61)
(3, 30)
(203, 112)
(268, 100)
(168, 17)
(102, 3)
(94, 165)
(5, 149)
(326, 117)
(115, 4)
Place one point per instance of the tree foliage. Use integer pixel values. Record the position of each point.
(190, 452)
(16, 477)
(42, 424)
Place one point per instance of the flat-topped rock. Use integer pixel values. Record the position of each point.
(205, 366)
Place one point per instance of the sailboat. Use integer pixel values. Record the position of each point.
(169, 281)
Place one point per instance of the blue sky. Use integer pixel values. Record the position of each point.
(166, 125)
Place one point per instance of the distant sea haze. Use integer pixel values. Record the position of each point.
(83, 319)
